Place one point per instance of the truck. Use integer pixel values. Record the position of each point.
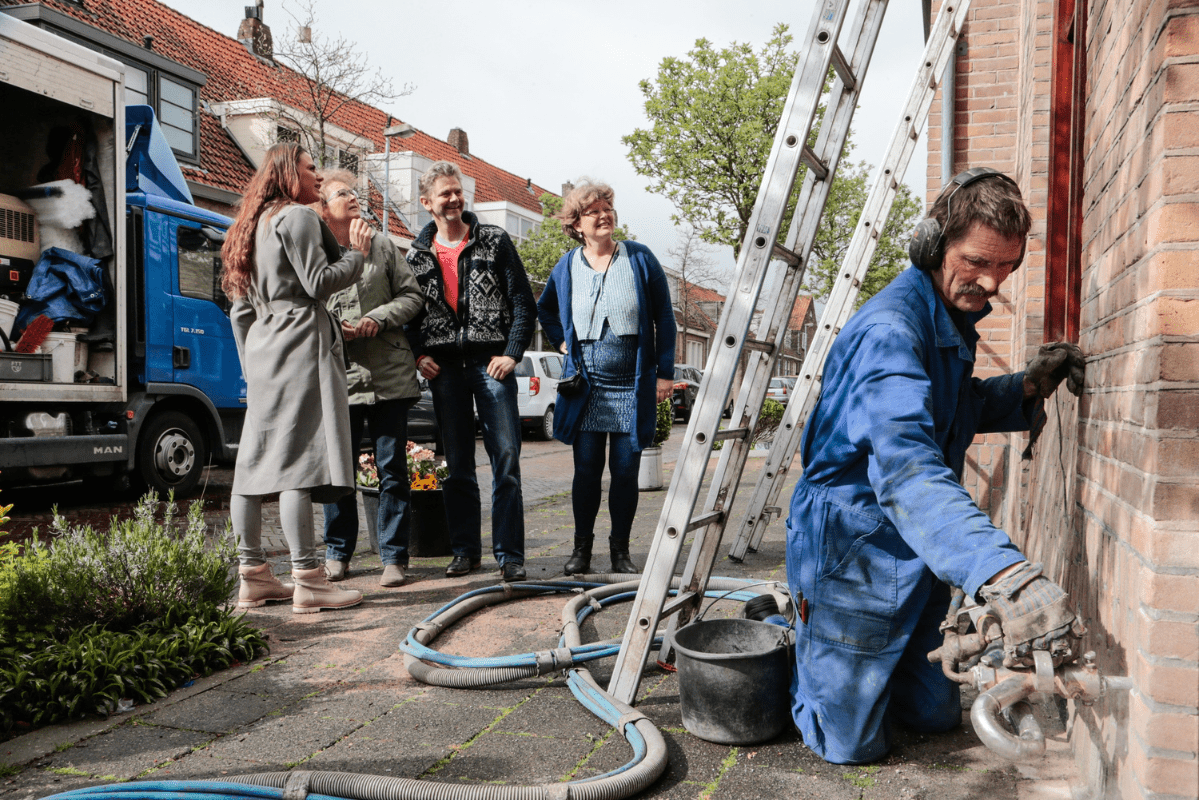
(151, 391)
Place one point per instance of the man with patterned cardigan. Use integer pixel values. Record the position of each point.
(478, 319)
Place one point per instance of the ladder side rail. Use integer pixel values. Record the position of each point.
(765, 221)
(810, 206)
(766, 494)
(812, 198)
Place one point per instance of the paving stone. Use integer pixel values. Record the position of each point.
(204, 765)
(542, 759)
(128, 751)
(216, 711)
(34, 783)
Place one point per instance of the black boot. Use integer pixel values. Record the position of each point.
(622, 564)
(580, 562)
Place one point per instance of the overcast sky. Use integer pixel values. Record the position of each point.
(547, 89)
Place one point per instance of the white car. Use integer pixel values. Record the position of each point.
(537, 381)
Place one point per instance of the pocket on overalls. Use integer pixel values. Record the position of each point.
(855, 599)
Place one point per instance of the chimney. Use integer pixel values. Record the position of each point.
(254, 35)
(458, 140)
(567, 187)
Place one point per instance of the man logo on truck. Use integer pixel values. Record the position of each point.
(107, 450)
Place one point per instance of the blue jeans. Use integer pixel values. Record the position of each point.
(623, 464)
(388, 424)
(460, 381)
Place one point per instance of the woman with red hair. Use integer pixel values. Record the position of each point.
(296, 436)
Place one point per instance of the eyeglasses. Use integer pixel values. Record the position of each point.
(347, 193)
(595, 212)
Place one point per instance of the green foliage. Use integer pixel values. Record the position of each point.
(713, 118)
(137, 571)
(45, 680)
(664, 419)
(768, 422)
(547, 243)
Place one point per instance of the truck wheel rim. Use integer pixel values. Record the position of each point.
(174, 455)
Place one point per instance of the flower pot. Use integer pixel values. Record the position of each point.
(650, 471)
(429, 535)
(370, 512)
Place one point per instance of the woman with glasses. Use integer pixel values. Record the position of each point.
(607, 306)
(295, 438)
(381, 378)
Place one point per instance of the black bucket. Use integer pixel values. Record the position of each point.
(734, 679)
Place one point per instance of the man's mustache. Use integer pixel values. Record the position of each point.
(974, 290)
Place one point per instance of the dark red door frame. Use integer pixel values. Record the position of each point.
(1064, 213)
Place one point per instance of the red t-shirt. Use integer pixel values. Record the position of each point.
(448, 258)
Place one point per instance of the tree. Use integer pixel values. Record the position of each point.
(713, 117)
(547, 243)
(696, 268)
(325, 76)
(841, 219)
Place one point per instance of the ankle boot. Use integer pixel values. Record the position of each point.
(580, 562)
(622, 564)
(314, 592)
(259, 585)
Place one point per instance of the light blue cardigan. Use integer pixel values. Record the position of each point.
(656, 342)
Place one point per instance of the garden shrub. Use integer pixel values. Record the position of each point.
(136, 571)
(769, 418)
(663, 420)
(90, 617)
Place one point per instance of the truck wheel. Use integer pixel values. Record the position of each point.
(545, 431)
(171, 454)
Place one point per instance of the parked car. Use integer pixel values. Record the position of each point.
(781, 388)
(687, 384)
(537, 380)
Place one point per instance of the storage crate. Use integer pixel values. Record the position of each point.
(26, 367)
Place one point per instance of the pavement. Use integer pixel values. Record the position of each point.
(333, 694)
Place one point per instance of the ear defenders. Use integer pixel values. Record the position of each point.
(928, 244)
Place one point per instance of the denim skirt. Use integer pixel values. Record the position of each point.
(611, 365)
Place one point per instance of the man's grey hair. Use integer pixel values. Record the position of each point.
(439, 169)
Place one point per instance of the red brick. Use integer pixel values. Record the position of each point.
(1167, 639)
(1177, 410)
(1180, 36)
(1168, 592)
(1161, 730)
(1166, 776)
(1163, 548)
(1175, 501)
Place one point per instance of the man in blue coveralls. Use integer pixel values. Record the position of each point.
(880, 523)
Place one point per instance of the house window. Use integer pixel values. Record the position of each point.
(177, 114)
(137, 87)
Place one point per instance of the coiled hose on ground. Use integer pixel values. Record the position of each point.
(591, 593)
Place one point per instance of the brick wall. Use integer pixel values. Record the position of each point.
(1109, 500)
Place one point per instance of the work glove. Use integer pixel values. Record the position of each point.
(1035, 614)
(1054, 362)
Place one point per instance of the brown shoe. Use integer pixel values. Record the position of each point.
(314, 592)
(260, 586)
(393, 575)
(336, 570)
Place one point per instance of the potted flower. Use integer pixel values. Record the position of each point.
(429, 535)
(368, 488)
(650, 472)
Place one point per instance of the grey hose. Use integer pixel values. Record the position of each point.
(1028, 743)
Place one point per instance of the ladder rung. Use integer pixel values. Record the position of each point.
(783, 254)
(705, 520)
(677, 602)
(842, 68)
(819, 171)
(759, 345)
(731, 433)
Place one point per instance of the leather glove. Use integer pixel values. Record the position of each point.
(1054, 362)
(1035, 614)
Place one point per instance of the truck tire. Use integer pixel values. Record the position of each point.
(171, 454)
(545, 429)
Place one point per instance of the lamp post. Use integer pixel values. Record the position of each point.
(403, 130)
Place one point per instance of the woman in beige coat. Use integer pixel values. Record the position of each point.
(295, 439)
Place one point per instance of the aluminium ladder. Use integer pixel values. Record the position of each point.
(760, 247)
(764, 502)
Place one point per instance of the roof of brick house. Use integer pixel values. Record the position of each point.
(234, 73)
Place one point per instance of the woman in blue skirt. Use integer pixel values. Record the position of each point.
(607, 306)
